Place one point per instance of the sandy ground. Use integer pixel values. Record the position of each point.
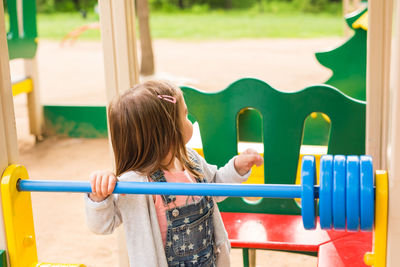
(75, 75)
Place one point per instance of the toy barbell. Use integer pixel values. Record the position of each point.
(346, 191)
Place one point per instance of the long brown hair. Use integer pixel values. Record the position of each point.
(145, 128)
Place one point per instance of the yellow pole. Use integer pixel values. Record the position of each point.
(377, 257)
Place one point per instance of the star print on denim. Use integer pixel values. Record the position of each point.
(191, 234)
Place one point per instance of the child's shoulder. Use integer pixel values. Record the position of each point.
(132, 176)
(192, 153)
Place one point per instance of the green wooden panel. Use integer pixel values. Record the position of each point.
(76, 121)
(12, 13)
(283, 117)
(348, 62)
(23, 46)
(3, 258)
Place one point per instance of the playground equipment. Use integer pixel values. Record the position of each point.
(283, 118)
(122, 74)
(337, 175)
(22, 43)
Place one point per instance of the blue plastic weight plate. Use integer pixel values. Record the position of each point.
(339, 192)
(308, 193)
(325, 191)
(353, 193)
(367, 203)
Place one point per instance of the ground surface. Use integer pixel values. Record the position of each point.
(74, 75)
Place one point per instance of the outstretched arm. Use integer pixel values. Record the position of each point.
(237, 169)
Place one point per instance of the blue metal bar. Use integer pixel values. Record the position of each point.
(153, 188)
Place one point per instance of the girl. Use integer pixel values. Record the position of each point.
(149, 129)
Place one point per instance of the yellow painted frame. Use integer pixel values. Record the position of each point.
(24, 86)
(377, 257)
(18, 220)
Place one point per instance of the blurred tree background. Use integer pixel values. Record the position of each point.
(84, 6)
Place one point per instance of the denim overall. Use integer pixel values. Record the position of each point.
(190, 233)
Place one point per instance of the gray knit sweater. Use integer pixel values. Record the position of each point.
(138, 214)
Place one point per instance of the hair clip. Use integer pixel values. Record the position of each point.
(167, 98)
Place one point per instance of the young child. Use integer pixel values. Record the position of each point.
(149, 129)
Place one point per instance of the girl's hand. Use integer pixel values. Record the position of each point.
(102, 183)
(246, 160)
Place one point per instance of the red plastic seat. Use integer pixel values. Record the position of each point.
(285, 232)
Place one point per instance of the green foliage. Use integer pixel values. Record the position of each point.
(45, 6)
(199, 9)
(173, 5)
(163, 5)
(262, 5)
(313, 6)
(48, 6)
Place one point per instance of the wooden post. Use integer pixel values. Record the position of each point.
(393, 243)
(117, 19)
(8, 135)
(378, 66)
(35, 109)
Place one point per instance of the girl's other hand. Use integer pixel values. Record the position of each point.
(102, 184)
(246, 160)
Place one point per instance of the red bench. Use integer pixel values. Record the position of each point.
(285, 232)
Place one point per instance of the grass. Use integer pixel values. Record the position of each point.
(209, 25)
(233, 25)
